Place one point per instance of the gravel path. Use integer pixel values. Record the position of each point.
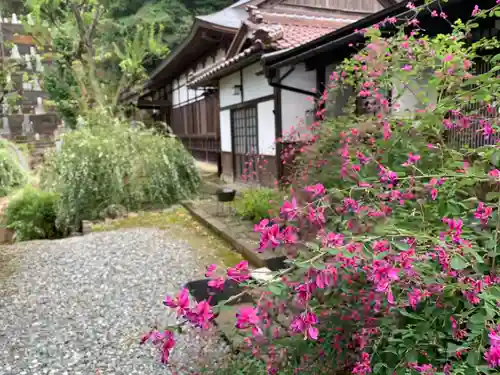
(79, 305)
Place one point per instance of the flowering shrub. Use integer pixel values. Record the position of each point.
(392, 235)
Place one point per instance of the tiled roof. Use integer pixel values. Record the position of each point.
(275, 32)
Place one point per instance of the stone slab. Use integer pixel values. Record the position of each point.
(200, 290)
(247, 248)
(226, 321)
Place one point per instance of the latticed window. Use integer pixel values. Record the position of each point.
(245, 139)
(468, 126)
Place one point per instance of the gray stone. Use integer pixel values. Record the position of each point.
(86, 301)
(86, 227)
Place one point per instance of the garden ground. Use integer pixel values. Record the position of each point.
(79, 305)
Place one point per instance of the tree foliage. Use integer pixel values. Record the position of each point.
(102, 48)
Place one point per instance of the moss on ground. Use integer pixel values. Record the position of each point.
(180, 225)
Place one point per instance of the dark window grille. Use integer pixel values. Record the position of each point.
(470, 133)
(245, 141)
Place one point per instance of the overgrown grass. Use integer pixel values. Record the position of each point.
(257, 204)
(12, 175)
(108, 162)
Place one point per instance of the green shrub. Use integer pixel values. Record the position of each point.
(258, 204)
(12, 175)
(32, 214)
(107, 162)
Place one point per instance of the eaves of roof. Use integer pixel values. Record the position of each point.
(177, 52)
(341, 36)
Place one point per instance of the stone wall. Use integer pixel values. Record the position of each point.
(30, 119)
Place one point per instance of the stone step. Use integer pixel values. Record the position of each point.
(247, 248)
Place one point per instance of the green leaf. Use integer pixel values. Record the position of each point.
(452, 348)
(473, 358)
(478, 318)
(411, 315)
(403, 246)
(378, 367)
(492, 196)
(275, 289)
(458, 263)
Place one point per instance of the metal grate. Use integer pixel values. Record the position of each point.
(467, 131)
(245, 140)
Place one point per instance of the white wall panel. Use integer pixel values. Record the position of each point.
(295, 105)
(226, 90)
(255, 86)
(225, 131)
(267, 128)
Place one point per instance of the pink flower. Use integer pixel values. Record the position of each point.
(304, 323)
(483, 213)
(289, 235)
(270, 237)
(492, 356)
(317, 189)
(425, 369)
(495, 173)
(387, 131)
(448, 58)
(289, 210)
(326, 277)
(410, 5)
(487, 129)
(181, 302)
(434, 13)
(217, 283)
(443, 15)
(168, 345)
(412, 159)
(247, 317)
(407, 68)
(316, 216)
(362, 158)
(333, 239)
(476, 11)
(382, 275)
(240, 272)
(201, 315)
(163, 340)
(380, 246)
(414, 297)
(454, 229)
(210, 270)
(263, 224)
(362, 367)
(494, 336)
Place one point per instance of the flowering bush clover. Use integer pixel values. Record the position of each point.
(392, 235)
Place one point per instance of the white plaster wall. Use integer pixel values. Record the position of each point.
(225, 131)
(220, 55)
(226, 90)
(412, 95)
(265, 119)
(183, 89)
(255, 86)
(295, 105)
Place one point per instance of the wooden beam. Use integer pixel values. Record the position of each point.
(387, 3)
(142, 103)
